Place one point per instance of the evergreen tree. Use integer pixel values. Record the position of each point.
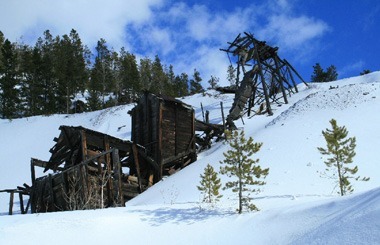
(70, 69)
(102, 75)
(231, 77)
(145, 69)
(129, 78)
(1, 45)
(341, 151)
(213, 82)
(319, 75)
(159, 78)
(48, 73)
(31, 86)
(239, 164)
(195, 83)
(364, 72)
(9, 81)
(170, 85)
(181, 85)
(210, 185)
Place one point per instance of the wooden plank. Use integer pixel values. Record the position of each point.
(136, 160)
(117, 177)
(33, 172)
(224, 122)
(21, 203)
(83, 144)
(109, 183)
(11, 196)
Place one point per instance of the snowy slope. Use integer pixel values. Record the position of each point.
(297, 205)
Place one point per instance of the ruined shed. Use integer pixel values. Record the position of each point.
(88, 172)
(165, 127)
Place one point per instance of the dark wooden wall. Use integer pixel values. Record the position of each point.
(165, 127)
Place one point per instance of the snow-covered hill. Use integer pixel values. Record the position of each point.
(297, 205)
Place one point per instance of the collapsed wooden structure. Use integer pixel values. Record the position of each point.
(266, 77)
(166, 128)
(95, 170)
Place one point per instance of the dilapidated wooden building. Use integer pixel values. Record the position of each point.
(96, 170)
(165, 127)
(88, 172)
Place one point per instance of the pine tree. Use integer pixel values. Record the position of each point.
(341, 151)
(213, 82)
(231, 77)
(181, 85)
(195, 83)
(145, 69)
(159, 78)
(210, 185)
(129, 78)
(9, 81)
(319, 75)
(364, 72)
(239, 164)
(102, 75)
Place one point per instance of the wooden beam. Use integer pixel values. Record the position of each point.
(224, 122)
(33, 172)
(107, 159)
(117, 177)
(11, 202)
(21, 203)
(83, 144)
(136, 160)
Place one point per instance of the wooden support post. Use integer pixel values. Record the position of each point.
(11, 202)
(136, 160)
(265, 90)
(207, 117)
(203, 113)
(21, 203)
(107, 159)
(292, 78)
(295, 72)
(224, 122)
(33, 172)
(27, 206)
(118, 192)
(280, 80)
(83, 144)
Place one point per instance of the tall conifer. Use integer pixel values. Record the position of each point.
(238, 163)
(341, 151)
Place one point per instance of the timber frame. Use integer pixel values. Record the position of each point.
(95, 170)
(266, 78)
(88, 172)
(165, 127)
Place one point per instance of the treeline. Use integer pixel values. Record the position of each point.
(45, 78)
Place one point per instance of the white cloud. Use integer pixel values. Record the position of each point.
(292, 32)
(92, 19)
(187, 36)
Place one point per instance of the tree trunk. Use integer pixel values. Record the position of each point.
(340, 178)
(240, 189)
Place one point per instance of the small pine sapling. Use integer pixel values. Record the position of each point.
(341, 151)
(210, 185)
(239, 163)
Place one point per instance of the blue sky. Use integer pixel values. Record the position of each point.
(188, 34)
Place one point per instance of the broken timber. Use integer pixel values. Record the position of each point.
(266, 78)
(95, 170)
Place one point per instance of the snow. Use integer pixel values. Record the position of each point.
(297, 205)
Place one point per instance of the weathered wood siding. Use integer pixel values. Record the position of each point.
(165, 127)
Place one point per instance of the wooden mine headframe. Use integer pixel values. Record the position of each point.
(266, 78)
